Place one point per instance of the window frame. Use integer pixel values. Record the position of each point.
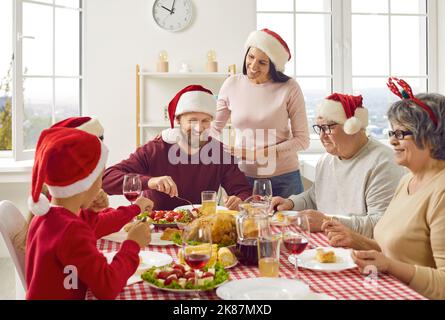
(18, 151)
(341, 51)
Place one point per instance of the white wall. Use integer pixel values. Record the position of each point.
(122, 33)
(441, 45)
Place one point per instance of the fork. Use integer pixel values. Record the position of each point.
(189, 202)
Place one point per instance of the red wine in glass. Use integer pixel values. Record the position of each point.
(132, 187)
(131, 196)
(196, 260)
(295, 244)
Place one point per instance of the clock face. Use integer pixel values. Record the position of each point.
(172, 15)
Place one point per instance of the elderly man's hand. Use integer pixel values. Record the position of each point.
(280, 204)
(100, 202)
(316, 219)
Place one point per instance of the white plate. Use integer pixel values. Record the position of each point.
(183, 290)
(318, 296)
(121, 236)
(263, 289)
(289, 213)
(189, 207)
(148, 259)
(307, 260)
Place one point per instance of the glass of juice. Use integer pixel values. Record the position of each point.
(208, 202)
(269, 255)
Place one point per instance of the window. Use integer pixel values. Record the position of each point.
(334, 48)
(46, 67)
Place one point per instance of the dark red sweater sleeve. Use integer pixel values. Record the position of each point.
(109, 220)
(106, 281)
(138, 163)
(235, 182)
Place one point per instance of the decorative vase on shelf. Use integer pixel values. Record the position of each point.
(162, 64)
(185, 68)
(212, 64)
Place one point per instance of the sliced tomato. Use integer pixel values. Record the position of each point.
(179, 267)
(207, 274)
(189, 275)
(164, 274)
(178, 273)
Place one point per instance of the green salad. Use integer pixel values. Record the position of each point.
(177, 276)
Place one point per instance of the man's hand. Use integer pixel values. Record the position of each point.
(316, 219)
(232, 202)
(100, 202)
(339, 235)
(164, 184)
(280, 204)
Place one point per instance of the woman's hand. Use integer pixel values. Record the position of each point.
(339, 235)
(363, 259)
(100, 202)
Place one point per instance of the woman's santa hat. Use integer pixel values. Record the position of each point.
(68, 161)
(271, 44)
(346, 110)
(194, 98)
(87, 124)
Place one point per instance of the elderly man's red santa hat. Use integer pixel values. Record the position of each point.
(68, 161)
(87, 124)
(346, 110)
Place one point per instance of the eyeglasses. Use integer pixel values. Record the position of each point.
(399, 134)
(326, 128)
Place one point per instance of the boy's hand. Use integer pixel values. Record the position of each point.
(140, 233)
(145, 204)
(100, 202)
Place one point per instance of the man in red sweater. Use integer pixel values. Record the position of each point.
(62, 260)
(183, 161)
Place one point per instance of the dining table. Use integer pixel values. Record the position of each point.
(348, 284)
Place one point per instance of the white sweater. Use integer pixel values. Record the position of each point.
(357, 191)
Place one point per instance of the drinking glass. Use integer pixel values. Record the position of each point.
(208, 202)
(295, 237)
(132, 187)
(269, 255)
(197, 249)
(262, 191)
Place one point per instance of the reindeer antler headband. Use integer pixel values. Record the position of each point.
(407, 93)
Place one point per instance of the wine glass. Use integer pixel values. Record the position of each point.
(132, 187)
(262, 191)
(197, 248)
(296, 237)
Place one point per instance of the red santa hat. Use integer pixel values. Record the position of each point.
(271, 44)
(346, 110)
(68, 161)
(194, 98)
(87, 124)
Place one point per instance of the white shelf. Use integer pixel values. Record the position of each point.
(182, 75)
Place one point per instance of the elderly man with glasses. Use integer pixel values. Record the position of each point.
(356, 179)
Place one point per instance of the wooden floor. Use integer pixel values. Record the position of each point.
(7, 279)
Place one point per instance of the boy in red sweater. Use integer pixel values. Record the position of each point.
(62, 260)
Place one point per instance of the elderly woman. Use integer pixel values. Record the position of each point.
(267, 109)
(410, 237)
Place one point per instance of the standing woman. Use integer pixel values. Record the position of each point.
(268, 113)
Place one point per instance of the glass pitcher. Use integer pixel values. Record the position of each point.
(251, 222)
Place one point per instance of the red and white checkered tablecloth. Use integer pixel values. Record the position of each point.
(345, 285)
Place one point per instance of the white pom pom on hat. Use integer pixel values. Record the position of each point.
(346, 110)
(39, 208)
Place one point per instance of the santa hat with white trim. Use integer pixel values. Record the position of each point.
(87, 124)
(193, 98)
(68, 161)
(346, 110)
(271, 44)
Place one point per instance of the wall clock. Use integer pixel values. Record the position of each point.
(172, 15)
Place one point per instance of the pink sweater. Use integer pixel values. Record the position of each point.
(279, 108)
